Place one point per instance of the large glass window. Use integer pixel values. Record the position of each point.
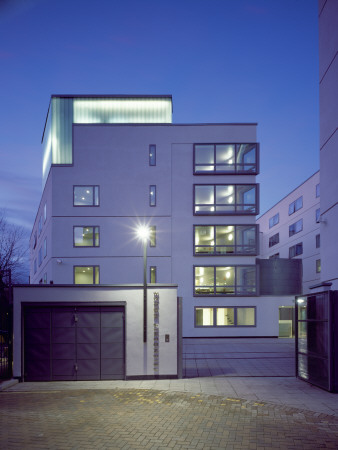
(230, 316)
(224, 280)
(86, 275)
(274, 220)
(152, 155)
(273, 240)
(225, 240)
(296, 227)
(296, 205)
(225, 158)
(223, 199)
(85, 236)
(86, 196)
(296, 250)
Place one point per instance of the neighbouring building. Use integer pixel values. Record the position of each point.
(112, 163)
(291, 229)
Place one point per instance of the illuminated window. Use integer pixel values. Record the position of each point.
(296, 227)
(86, 196)
(225, 280)
(152, 195)
(273, 240)
(152, 155)
(152, 236)
(224, 199)
(86, 275)
(152, 274)
(318, 266)
(296, 205)
(233, 316)
(225, 158)
(296, 250)
(274, 220)
(225, 240)
(86, 236)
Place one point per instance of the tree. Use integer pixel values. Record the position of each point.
(13, 250)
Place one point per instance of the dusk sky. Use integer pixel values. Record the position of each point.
(222, 60)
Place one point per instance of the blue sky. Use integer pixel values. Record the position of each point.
(222, 60)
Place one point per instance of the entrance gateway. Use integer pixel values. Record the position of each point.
(74, 343)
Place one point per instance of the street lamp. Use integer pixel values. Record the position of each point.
(143, 233)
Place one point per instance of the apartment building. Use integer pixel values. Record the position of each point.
(291, 229)
(114, 163)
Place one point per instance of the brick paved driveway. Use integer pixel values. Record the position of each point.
(149, 419)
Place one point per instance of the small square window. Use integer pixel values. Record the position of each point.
(296, 250)
(86, 196)
(204, 317)
(274, 220)
(86, 275)
(296, 227)
(152, 155)
(296, 205)
(152, 195)
(86, 236)
(273, 240)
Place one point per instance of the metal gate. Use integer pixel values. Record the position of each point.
(74, 343)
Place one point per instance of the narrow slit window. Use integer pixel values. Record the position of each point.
(152, 195)
(153, 274)
(152, 155)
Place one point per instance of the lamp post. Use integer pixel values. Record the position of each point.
(143, 233)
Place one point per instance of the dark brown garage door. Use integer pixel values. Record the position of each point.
(74, 343)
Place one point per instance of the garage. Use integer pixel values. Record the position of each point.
(73, 342)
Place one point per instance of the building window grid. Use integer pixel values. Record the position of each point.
(235, 245)
(220, 158)
(296, 205)
(296, 227)
(86, 195)
(232, 316)
(233, 287)
(230, 204)
(86, 236)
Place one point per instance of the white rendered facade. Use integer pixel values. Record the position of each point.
(328, 104)
(291, 229)
(195, 183)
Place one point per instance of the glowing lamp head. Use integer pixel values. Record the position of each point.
(143, 233)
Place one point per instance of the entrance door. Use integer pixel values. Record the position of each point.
(74, 343)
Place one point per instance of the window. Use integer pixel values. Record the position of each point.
(296, 250)
(152, 274)
(40, 225)
(223, 199)
(225, 240)
(86, 196)
(274, 256)
(273, 240)
(296, 205)
(318, 266)
(296, 227)
(233, 316)
(317, 215)
(224, 280)
(40, 256)
(317, 190)
(45, 248)
(85, 236)
(152, 236)
(317, 240)
(152, 155)
(152, 195)
(45, 212)
(86, 275)
(225, 158)
(274, 220)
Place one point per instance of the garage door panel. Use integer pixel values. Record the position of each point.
(63, 317)
(88, 369)
(88, 335)
(88, 318)
(38, 370)
(37, 319)
(112, 350)
(63, 335)
(88, 351)
(64, 367)
(37, 336)
(111, 335)
(63, 351)
(113, 366)
(38, 352)
(112, 319)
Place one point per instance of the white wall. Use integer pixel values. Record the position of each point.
(139, 356)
